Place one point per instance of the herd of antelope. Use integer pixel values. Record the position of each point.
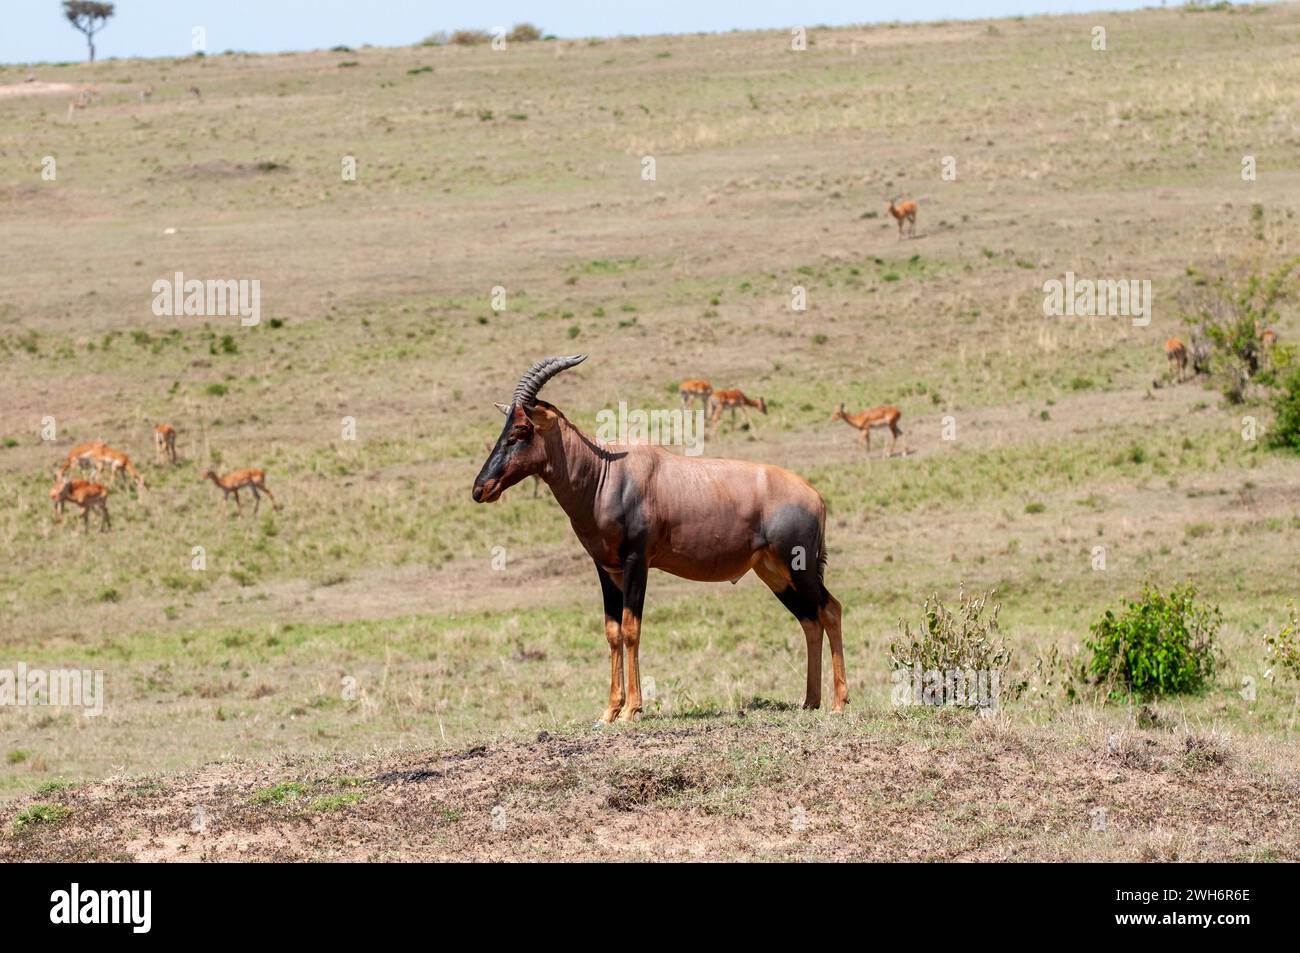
(719, 401)
(91, 495)
(87, 95)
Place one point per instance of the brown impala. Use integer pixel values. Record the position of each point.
(638, 507)
(89, 496)
(870, 419)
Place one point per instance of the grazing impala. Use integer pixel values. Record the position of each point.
(164, 442)
(237, 480)
(1176, 355)
(905, 212)
(721, 400)
(82, 453)
(868, 420)
(89, 496)
(693, 390)
(637, 507)
(118, 463)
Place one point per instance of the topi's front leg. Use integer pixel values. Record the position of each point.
(613, 597)
(634, 582)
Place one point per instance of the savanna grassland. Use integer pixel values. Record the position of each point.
(349, 676)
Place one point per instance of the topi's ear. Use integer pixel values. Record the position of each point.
(503, 408)
(541, 417)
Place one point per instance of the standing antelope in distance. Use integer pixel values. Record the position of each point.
(695, 389)
(1176, 355)
(84, 99)
(237, 480)
(82, 453)
(194, 91)
(164, 442)
(905, 212)
(869, 419)
(721, 400)
(119, 466)
(89, 496)
(146, 94)
(637, 507)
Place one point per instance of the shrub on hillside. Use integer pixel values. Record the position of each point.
(524, 33)
(1283, 649)
(1228, 313)
(469, 38)
(956, 642)
(1158, 645)
(1284, 434)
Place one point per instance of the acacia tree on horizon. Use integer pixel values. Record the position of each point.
(89, 17)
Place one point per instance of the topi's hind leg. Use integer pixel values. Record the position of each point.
(829, 617)
(782, 581)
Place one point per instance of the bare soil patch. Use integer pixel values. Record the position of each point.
(37, 88)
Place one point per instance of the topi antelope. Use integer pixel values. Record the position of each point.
(721, 400)
(869, 419)
(905, 212)
(1176, 355)
(695, 389)
(637, 507)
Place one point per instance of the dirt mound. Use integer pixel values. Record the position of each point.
(883, 786)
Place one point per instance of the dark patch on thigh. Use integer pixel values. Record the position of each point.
(789, 527)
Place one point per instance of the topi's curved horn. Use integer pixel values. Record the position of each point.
(539, 374)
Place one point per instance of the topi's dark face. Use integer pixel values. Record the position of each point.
(520, 452)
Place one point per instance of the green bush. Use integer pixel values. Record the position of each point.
(1283, 649)
(1285, 432)
(1228, 312)
(1159, 645)
(961, 641)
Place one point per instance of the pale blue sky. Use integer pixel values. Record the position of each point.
(35, 31)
